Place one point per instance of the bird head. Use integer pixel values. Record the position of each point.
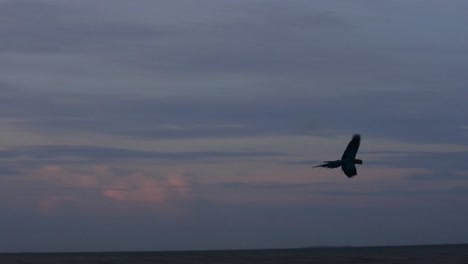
(357, 161)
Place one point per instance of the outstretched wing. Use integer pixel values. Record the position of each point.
(352, 148)
(349, 169)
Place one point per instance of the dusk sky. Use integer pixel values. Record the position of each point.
(173, 125)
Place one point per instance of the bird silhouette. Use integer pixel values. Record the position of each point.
(348, 160)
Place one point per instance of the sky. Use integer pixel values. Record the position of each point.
(190, 125)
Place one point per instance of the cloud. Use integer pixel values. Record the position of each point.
(57, 27)
(106, 108)
(440, 176)
(97, 154)
(138, 117)
(153, 118)
(64, 186)
(71, 76)
(8, 170)
(441, 162)
(377, 187)
(276, 185)
(140, 188)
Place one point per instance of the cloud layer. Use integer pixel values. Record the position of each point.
(199, 122)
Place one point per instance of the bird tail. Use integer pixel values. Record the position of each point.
(330, 164)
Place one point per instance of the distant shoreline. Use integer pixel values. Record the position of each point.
(237, 250)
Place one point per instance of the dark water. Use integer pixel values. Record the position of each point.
(400, 254)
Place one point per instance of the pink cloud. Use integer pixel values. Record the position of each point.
(66, 177)
(146, 189)
(141, 188)
(136, 188)
(52, 202)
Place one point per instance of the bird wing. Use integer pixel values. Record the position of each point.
(352, 148)
(349, 169)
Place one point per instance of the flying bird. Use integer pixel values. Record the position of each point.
(348, 160)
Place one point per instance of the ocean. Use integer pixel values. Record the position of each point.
(391, 255)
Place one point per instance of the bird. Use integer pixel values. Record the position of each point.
(348, 160)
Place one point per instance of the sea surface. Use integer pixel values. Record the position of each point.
(394, 254)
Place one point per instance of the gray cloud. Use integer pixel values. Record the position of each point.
(55, 27)
(406, 118)
(95, 153)
(442, 192)
(304, 41)
(442, 177)
(295, 63)
(337, 190)
(275, 186)
(444, 166)
(8, 170)
(441, 163)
